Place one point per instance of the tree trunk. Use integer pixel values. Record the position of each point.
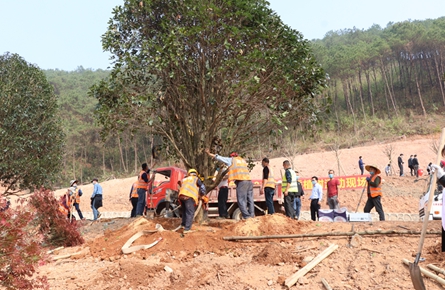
(439, 79)
(382, 68)
(420, 95)
(370, 93)
(103, 160)
(348, 103)
(361, 93)
(135, 156)
(121, 154)
(74, 164)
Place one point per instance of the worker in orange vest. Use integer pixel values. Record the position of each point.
(134, 198)
(142, 187)
(192, 189)
(239, 173)
(374, 191)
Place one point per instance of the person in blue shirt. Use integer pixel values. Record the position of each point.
(96, 199)
(316, 197)
(361, 165)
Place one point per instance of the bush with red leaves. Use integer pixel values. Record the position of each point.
(20, 248)
(56, 228)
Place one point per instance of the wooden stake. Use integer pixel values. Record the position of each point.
(294, 278)
(437, 269)
(326, 284)
(337, 234)
(427, 273)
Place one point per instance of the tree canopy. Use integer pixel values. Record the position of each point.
(195, 70)
(31, 138)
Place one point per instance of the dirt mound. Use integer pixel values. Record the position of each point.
(267, 225)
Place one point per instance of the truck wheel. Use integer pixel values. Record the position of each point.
(237, 215)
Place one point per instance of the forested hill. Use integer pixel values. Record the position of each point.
(385, 72)
(387, 78)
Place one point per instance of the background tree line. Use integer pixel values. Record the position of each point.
(388, 78)
(391, 73)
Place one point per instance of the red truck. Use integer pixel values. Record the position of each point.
(163, 186)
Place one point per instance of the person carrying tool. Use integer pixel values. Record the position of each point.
(142, 186)
(192, 189)
(374, 191)
(332, 188)
(239, 173)
(75, 194)
(289, 186)
(134, 198)
(268, 185)
(96, 198)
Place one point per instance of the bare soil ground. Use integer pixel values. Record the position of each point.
(203, 260)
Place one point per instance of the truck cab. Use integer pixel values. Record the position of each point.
(163, 190)
(163, 187)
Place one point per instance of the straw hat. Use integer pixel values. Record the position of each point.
(367, 167)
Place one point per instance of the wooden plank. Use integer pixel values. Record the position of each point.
(294, 278)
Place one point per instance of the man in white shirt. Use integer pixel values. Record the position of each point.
(223, 196)
(316, 197)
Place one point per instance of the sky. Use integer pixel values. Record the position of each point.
(67, 34)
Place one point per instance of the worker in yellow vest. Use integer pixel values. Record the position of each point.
(192, 189)
(289, 186)
(134, 198)
(142, 187)
(239, 173)
(268, 185)
(374, 191)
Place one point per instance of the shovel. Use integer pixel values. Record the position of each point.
(360, 200)
(414, 269)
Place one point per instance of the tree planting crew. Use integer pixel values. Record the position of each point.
(223, 196)
(268, 185)
(410, 165)
(374, 191)
(332, 188)
(75, 194)
(239, 173)
(298, 197)
(400, 163)
(134, 198)
(96, 198)
(316, 197)
(142, 186)
(416, 166)
(192, 189)
(361, 165)
(289, 186)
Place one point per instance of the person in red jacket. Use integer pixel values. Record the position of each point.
(332, 187)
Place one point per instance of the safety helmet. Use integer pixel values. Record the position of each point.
(72, 182)
(442, 163)
(233, 154)
(192, 170)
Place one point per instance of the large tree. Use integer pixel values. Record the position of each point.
(199, 69)
(31, 138)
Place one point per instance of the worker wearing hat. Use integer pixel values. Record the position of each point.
(191, 190)
(239, 173)
(75, 194)
(374, 191)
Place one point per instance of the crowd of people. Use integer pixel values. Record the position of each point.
(70, 201)
(191, 190)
